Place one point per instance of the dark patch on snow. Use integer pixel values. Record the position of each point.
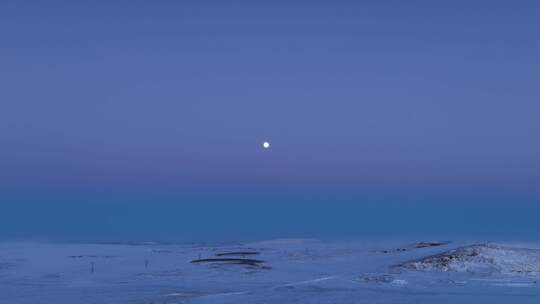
(238, 253)
(430, 244)
(234, 261)
(418, 245)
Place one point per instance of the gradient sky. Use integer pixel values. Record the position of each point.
(167, 103)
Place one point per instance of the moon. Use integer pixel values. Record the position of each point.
(266, 145)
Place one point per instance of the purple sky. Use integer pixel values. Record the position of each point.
(182, 95)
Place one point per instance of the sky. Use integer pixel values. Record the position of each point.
(118, 119)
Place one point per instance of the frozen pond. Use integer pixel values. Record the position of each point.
(278, 271)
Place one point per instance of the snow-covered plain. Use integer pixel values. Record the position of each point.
(278, 271)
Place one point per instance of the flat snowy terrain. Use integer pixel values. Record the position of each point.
(279, 271)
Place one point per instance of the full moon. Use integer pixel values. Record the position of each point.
(266, 145)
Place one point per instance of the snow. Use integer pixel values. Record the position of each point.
(290, 271)
(483, 258)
